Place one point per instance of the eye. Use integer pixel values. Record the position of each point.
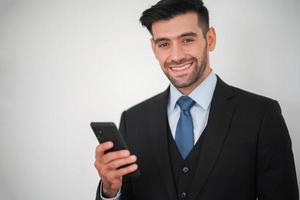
(163, 44)
(187, 40)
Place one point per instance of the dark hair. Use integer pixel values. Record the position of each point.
(167, 9)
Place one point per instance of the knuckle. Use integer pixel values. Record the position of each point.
(112, 156)
(118, 153)
(123, 153)
(114, 165)
(107, 157)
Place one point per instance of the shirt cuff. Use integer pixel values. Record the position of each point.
(117, 197)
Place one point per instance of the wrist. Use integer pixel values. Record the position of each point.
(109, 193)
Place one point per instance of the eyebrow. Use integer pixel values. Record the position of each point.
(192, 34)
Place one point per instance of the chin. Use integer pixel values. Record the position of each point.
(182, 84)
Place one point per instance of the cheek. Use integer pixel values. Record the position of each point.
(197, 53)
(161, 56)
(193, 51)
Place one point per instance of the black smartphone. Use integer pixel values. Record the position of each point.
(107, 131)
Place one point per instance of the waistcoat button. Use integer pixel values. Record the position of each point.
(185, 170)
(183, 195)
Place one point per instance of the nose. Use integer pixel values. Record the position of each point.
(177, 52)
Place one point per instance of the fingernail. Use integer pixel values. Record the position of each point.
(133, 157)
(110, 144)
(134, 166)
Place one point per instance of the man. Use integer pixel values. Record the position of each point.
(201, 138)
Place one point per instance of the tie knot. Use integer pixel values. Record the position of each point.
(185, 103)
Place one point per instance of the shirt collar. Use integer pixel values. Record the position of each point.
(202, 94)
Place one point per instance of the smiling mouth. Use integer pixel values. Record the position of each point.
(181, 67)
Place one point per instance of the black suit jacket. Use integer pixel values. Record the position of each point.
(247, 152)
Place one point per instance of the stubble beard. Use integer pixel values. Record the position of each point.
(195, 77)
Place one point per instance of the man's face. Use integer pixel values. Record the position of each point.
(182, 50)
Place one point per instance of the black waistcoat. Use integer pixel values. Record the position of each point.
(184, 170)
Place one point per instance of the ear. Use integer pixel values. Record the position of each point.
(211, 39)
(153, 46)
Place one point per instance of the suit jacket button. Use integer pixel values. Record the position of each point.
(183, 195)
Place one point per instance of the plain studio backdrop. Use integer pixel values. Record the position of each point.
(66, 63)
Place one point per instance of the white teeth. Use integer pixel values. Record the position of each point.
(181, 68)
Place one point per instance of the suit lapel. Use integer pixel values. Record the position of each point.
(221, 111)
(160, 143)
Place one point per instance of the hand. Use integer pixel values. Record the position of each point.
(108, 167)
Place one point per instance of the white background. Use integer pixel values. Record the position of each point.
(66, 63)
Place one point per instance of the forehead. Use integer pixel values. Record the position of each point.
(176, 26)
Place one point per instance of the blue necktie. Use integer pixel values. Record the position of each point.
(184, 136)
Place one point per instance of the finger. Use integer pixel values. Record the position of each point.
(108, 157)
(126, 170)
(121, 162)
(101, 148)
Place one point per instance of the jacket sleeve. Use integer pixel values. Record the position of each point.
(126, 190)
(276, 174)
